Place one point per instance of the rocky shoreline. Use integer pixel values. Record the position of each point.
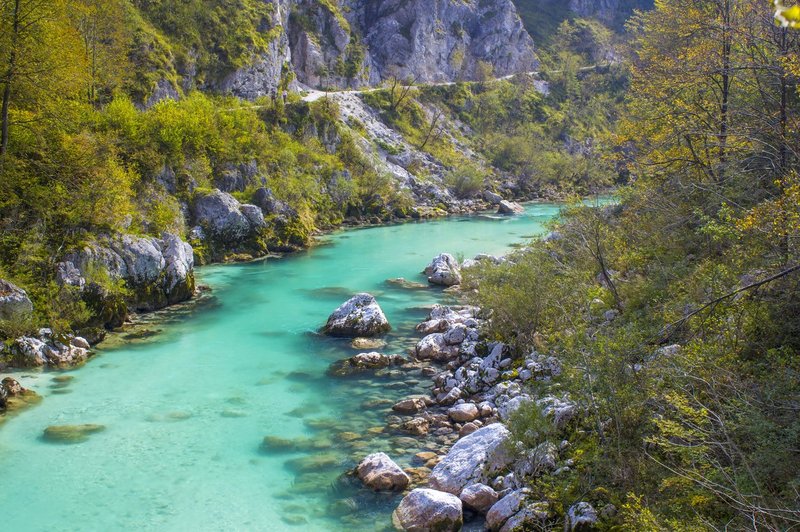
(477, 473)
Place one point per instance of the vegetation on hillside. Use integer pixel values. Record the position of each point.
(676, 311)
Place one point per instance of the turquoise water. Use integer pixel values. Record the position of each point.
(186, 411)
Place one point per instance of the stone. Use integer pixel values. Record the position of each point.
(71, 433)
(510, 207)
(417, 426)
(14, 302)
(456, 335)
(434, 347)
(79, 342)
(359, 316)
(532, 517)
(220, 214)
(429, 510)
(464, 412)
(272, 206)
(444, 270)
(581, 517)
(505, 508)
(363, 362)
(368, 343)
(492, 197)
(68, 275)
(475, 458)
(254, 215)
(378, 472)
(410, 406)
(479, 497)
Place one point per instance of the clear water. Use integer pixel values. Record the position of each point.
(186, 410)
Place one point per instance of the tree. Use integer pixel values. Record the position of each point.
(39, 56)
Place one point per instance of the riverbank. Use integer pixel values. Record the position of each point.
(192, 404)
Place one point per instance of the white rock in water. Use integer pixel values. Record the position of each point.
(510, 207)
(444, 270)
(427, 510)
(359, 316)
(379, 472)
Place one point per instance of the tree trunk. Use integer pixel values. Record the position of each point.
(12, 60)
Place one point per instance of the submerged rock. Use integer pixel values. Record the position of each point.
(359, 316)
(380, 473)
(71, 433)
(426, 509)
(14, 302)
(363, 362)
(368, 343)
(444, 270)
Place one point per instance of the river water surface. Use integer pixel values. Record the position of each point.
(186, 410)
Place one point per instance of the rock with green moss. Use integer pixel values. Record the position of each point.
(71, 433)
(359, 316)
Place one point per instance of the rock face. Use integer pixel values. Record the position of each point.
(221, 214)
(359, 316)
(429, 510)
(14, 302)
(472, 460)
(378, 472)
(444, 270)
(158, 272)
(353, 43)
(609, 11)
(442, 40)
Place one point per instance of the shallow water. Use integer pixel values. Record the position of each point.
(186, 409)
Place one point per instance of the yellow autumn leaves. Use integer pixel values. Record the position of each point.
(786, 17)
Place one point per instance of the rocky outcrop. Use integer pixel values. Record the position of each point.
(442, 40)
(429, 510)
(473, 459)
(444, 270)
(48, 350)
(379, 472)
(581, 517)
(228, 226)
(14, 302)
(157, 272)
(359, 316)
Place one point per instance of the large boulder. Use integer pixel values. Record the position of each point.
(444, 270)
(479, 497)
(473, 459)
(580, 517)
(435, 347)
(359, 316)
(220, 213)
(379, 472)
(429, 510)
(510, 207)
(14, 302)
(157, 272)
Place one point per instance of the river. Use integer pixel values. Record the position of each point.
(187, 408)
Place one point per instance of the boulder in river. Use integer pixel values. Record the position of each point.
(71, 433)
(363, 362)
(426, 509)
(359, 316)
(473, 459)
(510, 207)
(14, 302)
(379, 472)
(479, 497)
(444, 270)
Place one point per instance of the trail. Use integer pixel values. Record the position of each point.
(313, 95)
